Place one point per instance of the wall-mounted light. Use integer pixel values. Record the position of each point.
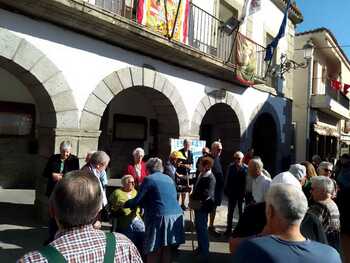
(287, 64)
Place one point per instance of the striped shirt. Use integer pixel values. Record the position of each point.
(86, 244)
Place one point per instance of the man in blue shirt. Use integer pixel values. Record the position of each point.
(286, 206)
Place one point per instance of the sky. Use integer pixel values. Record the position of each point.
(332, 14)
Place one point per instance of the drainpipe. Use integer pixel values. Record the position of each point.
(308, 56)
(308, 104)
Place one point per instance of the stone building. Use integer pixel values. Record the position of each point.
(87, 72)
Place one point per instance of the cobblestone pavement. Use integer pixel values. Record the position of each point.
(21, 232)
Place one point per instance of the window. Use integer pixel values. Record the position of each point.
(127, 127)
(17, 119)
(226, 11)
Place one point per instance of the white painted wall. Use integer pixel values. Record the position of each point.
(85, 62)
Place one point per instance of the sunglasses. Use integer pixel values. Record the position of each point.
(131, 182)
(328, 170)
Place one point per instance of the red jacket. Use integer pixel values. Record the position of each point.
(131, 170)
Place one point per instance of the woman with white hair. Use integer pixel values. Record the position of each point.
(138, 167)
(163, 215)
(125, 220)
(57, 166)
(325, 208)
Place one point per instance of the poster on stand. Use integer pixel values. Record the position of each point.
(196, 149)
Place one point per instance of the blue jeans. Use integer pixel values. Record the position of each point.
(201, 223)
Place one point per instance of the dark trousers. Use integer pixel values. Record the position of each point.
(231, 208)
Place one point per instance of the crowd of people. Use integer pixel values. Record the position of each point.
(298, 215)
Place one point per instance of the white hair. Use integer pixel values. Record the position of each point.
(138, 151)
(239, 154)
(154, 165)
(99, 157)
(259, 165)
(288, 201)
(125, 178)
(323, 183)
(65, 145)
(324, 165)
(216, 144)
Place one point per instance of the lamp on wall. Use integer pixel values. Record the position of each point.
(288, 64)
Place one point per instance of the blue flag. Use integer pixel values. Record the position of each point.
(271, 47)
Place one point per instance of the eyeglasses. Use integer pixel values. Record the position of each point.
(237, 158)
(131, 182)
(328, 170)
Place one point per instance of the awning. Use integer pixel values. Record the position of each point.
(345, 138)
(325, 129)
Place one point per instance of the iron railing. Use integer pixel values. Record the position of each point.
(205, 33)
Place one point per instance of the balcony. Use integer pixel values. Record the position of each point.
(205, 34)
(114, 21)
(332, 101)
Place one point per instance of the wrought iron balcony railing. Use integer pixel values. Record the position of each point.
(205, 34)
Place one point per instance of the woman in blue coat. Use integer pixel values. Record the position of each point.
(163, 215)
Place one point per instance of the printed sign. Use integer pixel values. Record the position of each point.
(196, 149)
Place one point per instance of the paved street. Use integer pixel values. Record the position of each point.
(20, 232)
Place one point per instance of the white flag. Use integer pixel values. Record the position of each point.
(250, 7)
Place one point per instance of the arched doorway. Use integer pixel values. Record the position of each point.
(137, 117)
(220, 122)
(35, 99)
(135, 107)
(264, 141)
(36, 103)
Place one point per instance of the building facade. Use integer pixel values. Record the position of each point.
(321, 103)
(87, 72)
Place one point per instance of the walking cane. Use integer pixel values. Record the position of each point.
(192, 226)
(191, 220)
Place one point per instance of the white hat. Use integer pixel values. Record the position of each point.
(286, 178)
(298, 170)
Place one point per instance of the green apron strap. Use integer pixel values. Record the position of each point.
(110, 248)
(52, 254)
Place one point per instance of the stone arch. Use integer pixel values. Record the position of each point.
(264, 107)
(207, 102)
(47, 84)
(270, 147)
(123, 79)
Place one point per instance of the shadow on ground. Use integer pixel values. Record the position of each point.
(20, 231)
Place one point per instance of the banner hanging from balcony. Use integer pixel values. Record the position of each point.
(245, 60)
(168, 17)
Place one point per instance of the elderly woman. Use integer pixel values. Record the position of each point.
(202, 200)
(325, 208)
(137, 168)
(163, 215)
(125, 220)
(56, 167)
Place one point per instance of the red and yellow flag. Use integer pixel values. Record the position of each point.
(163, 15)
